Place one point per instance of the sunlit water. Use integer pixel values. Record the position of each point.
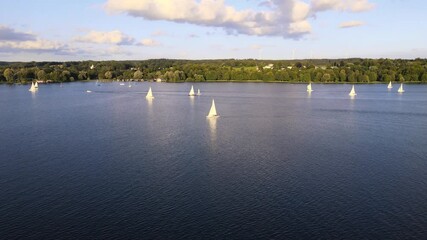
(278, 163)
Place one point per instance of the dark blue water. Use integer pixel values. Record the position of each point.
(278, 163)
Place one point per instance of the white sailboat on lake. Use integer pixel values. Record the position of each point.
(389, 85)
(33, 87)
(191, 93)
(149, 94)
(352, 92)
(36, 85)
(212, 112)
(400, 90)
(309, 89)
(198, 92)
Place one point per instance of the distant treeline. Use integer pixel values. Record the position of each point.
(169, 70)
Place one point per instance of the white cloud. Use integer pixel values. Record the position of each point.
(285, 18)
(9, 34)
(351, 24)
(31, 45)
(12, 41)
(113, 37)
(341, 5)
(149, 43)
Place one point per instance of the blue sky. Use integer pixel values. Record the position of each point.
(210, 29)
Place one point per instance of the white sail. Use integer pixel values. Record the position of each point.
(32, 88)
(389, 85)
(191, 93)
(309, 89)
(401, 88)
(149, 94)
(352, 92)
(212, 112)
(198, 92)
(36, 85)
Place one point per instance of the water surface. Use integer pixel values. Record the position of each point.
(278, 163)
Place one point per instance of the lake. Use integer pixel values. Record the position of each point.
(278, 163)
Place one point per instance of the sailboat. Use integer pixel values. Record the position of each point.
(32, 88)
(198, 92)
(149, 94)
(212, 112)
(389, 85)
(400, 90)
(352, 92)
(36, 85)
(191, 93)
(309, 89)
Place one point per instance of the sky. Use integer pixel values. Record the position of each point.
(74, 30)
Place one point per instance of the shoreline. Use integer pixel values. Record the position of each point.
(226, 81)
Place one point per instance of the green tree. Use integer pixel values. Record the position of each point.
(41, 75)
(268, 77)
(305, 77)
(108, 75)
(128, 74)
(199, 78)
(137, 75)
(372, 76)
(342, 76)
(8, 74)
(326, 77)
(82, 75)
(55, 75)
(351, 77)
(65, 76)
(22, 75)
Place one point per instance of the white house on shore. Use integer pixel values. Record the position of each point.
(269, 66)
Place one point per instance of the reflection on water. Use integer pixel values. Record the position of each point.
(33, 95)
(212, 128)
(191, 101)
(150, 104)
(213, 144)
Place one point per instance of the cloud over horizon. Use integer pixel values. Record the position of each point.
(341, 5)
(284, 18)
(351, 24)
(9, 34)
(287, 19)
(113, 37)
(12, 41)
(147, 42)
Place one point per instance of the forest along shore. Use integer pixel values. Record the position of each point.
(222, 70)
